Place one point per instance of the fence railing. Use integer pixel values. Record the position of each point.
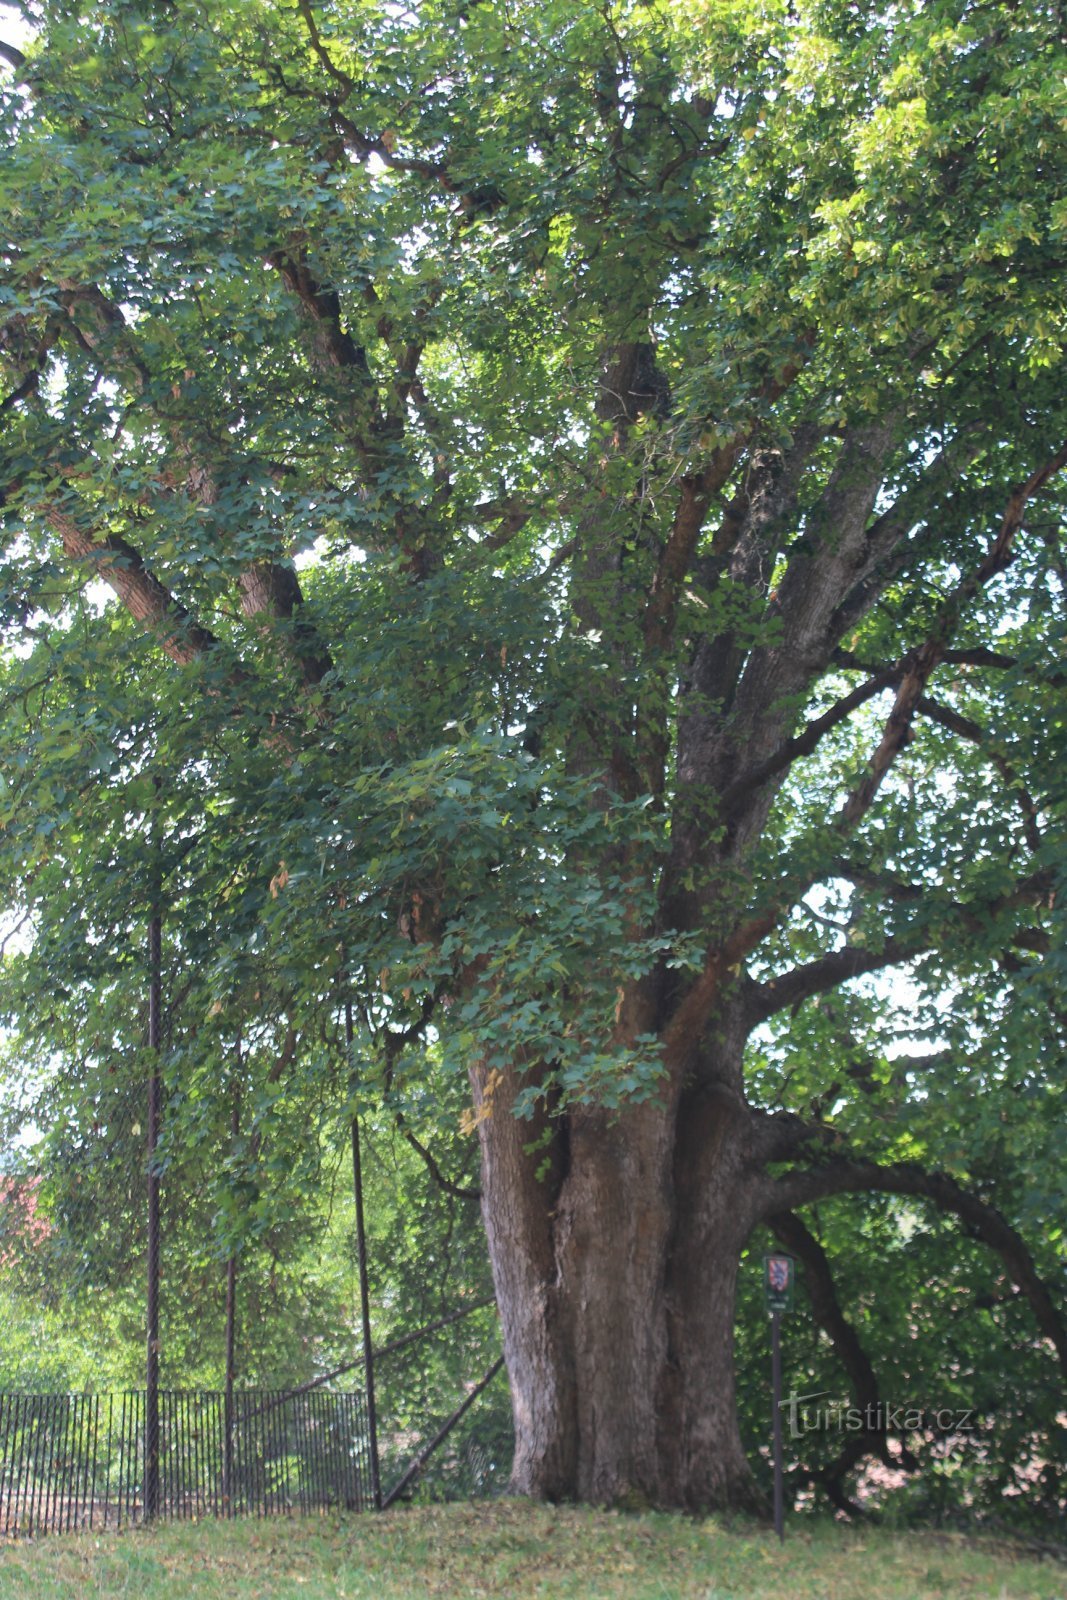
(77, 1460)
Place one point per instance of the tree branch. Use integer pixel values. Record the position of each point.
(269, 592)
(765, 999)
(794, 1236)
(697, 492)
(346, 83)
(965, 728)
(828, 972)
(147, 600)
(805, 742)
(927, 657)
(980, 1219)
(457, 1190)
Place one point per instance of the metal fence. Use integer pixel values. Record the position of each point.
(72, 1461)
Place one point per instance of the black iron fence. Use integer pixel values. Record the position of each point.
(72, 1461)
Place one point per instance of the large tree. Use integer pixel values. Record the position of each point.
(544, 519)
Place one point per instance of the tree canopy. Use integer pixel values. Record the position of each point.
(545, 522)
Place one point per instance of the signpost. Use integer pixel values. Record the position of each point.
(778, 1273)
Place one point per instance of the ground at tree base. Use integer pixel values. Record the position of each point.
(520, 1551)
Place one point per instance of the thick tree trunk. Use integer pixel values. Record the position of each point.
(615, 1285)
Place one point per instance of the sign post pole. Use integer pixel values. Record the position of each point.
(778, 1273)
(776, 1381)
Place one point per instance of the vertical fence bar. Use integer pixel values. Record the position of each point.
(107, 1458)
(128, 1469)
(37, 1484)
(21, 1417)
(10, 1479)
(12, 1523)
(91, 1469)
(68, 1461)
(218, 1424)
(81, 1478)
(155, 1003)
(5, 1455)
(36, 1449)
(123, 1477)
(74, 1455)
(47, 1409)
(364, 1285)
(274, 1457)
(53, 1460)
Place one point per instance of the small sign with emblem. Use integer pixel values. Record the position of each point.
(778, 1282)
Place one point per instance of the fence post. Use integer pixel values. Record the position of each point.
(364, 1289)
(151, 1421)
(231, 1330)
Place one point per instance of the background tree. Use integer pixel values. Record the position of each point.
(563, 504)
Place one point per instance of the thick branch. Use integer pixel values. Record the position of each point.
(268, 591)
(764, 1000)
(180, 636)
(981, 1220)
(794, 1236)
(828, 972)
(677, 554)
(805, 742)
(13, 56)
(333, 345)
(270, 594)
(698, 491)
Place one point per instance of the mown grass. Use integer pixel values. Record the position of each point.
(516, 1551)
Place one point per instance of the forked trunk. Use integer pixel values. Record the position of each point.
(615, 1283)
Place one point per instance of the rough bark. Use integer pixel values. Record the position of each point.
(615, 1263)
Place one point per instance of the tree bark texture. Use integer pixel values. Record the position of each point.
(615, 1260)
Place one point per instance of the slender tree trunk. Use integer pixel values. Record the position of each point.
(616, 1292)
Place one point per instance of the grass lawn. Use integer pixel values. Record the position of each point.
(516, 1551)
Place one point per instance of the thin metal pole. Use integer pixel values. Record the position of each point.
(412, 1472)
(389, 1349)
(231, 1329)
(151, 1426)
(776, 1380)
(364, 1290)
